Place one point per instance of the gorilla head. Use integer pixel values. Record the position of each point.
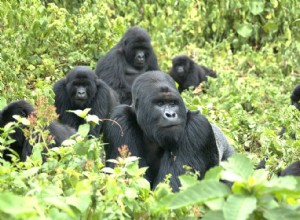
(295, 97)
(181, 66)
(81, 86)
(136, 47)
(22, 108)
(132, 56)
(165, 122)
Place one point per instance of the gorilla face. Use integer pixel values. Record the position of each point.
(137, 47)
(81, 86)
(181, 66)
(140, 58)
(160, 110)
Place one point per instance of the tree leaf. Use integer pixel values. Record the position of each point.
(239, 207)
(256, 7)
(244, 30)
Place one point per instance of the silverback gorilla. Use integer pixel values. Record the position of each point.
(132, 56)
(188, 73)
(160, 130)
(79, 90)
(21, 146)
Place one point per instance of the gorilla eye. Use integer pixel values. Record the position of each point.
(173, 103)
(160, 103)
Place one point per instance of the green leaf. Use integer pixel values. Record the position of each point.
(187, 181)
(282, 213)
(237, 168)
(256, 7)
(203, 191)
(84, 130)
(213, 173)
(92, 118)
(244, 30)
(81, 113)
(213, 215)
(15, 205)
(239, 207)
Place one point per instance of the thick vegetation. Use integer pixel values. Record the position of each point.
(253, 46)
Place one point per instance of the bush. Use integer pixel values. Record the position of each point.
(253, 47)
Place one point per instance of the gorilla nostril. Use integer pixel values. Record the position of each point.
(171, 115)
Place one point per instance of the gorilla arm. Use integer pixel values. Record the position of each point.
(121, 130)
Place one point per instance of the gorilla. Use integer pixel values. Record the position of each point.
(21, 146)
(131, 57)
(188, 73)
(82, 89)
(295, 97)
(291, 170)
(162, 132)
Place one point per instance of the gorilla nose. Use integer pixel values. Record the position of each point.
(81, 94)
(141, 58)
(170, 115)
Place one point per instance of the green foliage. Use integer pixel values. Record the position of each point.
(252, 45)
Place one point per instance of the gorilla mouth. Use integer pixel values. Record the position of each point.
(170, 125)
(140, 64)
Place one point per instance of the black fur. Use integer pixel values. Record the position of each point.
(21, 145)
(291, 170)
(187, 73)
(120, 67)
(161, 131)
(79, 90)
(295, 97)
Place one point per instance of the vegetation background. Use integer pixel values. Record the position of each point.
(254, 46)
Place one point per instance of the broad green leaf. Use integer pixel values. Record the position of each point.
(203, 191)
(16, 205)
(213, 215)
(244, 30)
(68, 142)
(213, 173)
(239, 207)
(256, 7)
(81, 113)
(237, 168)
(84, 130)
(282, 213)
(187, 181)
(92, 118)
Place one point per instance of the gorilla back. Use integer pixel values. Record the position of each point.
(161, 131)
(132, 56)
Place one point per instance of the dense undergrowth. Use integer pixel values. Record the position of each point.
(252, 45)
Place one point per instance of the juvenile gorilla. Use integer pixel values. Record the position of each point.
(79, 90)
(131, 57)
(295, 97)
(21, 146)
(292, 170)
(188, 73)
(160, 130)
